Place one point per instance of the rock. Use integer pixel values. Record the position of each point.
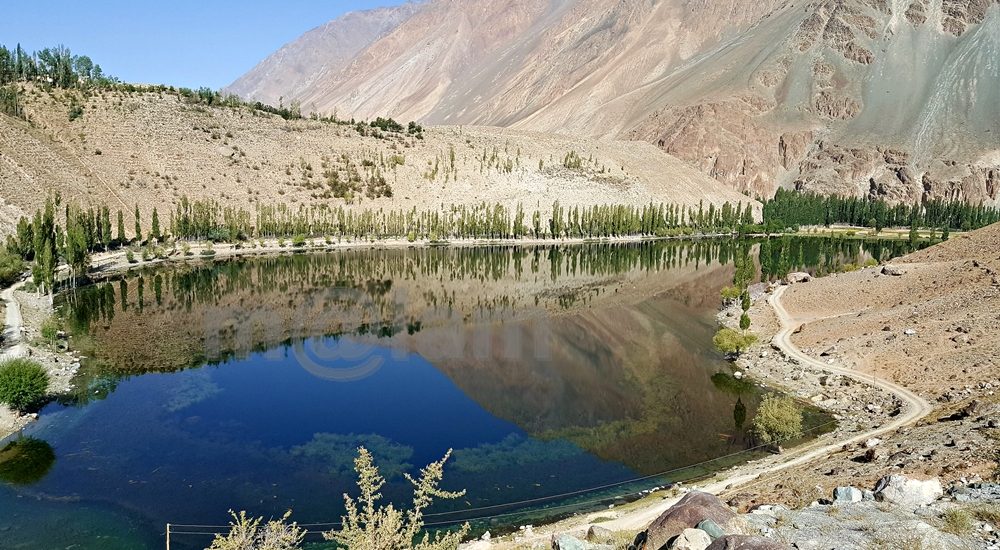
(910, 493)
(745, 542)
(909, 332)
(689, 511)
(738, 375)
(712, 528)
(893, 270)
(798, 277)
(847, 495)
(569, 542)
(875, 454)
(872, 442)
(596, 533)
(691, 539)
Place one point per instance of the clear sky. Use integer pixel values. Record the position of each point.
(178, 42)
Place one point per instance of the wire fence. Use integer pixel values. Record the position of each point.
(520, 507)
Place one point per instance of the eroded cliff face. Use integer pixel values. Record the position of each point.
(755, 94)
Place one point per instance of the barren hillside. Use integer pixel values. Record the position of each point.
(898, 98)
(151, 149)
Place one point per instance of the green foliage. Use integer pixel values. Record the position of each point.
(23, 383)
(130, 256)
(778, 419)
(50, 328)
(370, 526)
(793, 208)
(733, 342)
(11, 268)
(10, 102)
(744, 322)
(75, 111)
(26, 461)
(730, 293)
(248, 534)
(299, 241)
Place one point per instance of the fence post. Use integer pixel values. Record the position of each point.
(168, 536)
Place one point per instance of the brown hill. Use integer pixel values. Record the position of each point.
(153, 148)
(899, 99)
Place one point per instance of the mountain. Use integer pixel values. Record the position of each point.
(893, 98)
(151, 148)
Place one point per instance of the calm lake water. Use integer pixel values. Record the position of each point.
(249, 384)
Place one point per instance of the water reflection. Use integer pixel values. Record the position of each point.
(26, 461)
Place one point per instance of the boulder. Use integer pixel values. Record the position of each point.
(745, 542)
(569, 542)
(893, 270)
(691, 539)
(689, 511)
(910, 493)
(847, 495)
(712, 528)
(798, 277)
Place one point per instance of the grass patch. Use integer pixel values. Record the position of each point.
(957, 521)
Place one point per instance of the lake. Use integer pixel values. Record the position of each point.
(249, 384)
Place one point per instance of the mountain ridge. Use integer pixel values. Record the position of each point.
(894, 99)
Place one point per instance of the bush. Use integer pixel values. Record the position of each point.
(50, 329)
(11, 268)
(299, 241)
(23, 383)
(730, 293)
(778, 419)
(130, 257)
(733, 342)
(957, 521)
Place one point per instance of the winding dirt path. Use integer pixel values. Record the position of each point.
(13, 325)
(914, 408)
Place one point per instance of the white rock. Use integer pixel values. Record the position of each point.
(909, 332)
(691, 539)
(738, 375)
(910, 493)
(872, 442)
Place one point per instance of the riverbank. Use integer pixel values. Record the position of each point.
(24, 313)
(907, 364)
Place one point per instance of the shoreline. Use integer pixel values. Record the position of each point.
(851, 430)
(635, 515)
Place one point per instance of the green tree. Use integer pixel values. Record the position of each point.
(121, 229)
(778, 419)
(154, 231)
(744, 322)
(138, 225)
(733, 342)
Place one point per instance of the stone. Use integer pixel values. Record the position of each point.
(847, 495)
(910, 493)
(798, 277)
(909, 332)
(745, 542)
(596, 533)
(712, 528)
(691, 539)
(569, 542)
(872, 442)
(687, 513)
(893, 270)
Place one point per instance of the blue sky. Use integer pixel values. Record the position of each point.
(179, 42)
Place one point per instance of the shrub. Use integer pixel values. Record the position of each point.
(778, 419)
(733, 342)
(245, 533)
(130, 257)
(730, 293)
(50, 329)
(368, 525)
(957, 521)
(23, 383)
(298, 241)
(11, 268)
(411, 237)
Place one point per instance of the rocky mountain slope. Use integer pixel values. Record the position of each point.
(153, 148)
(896, 98)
